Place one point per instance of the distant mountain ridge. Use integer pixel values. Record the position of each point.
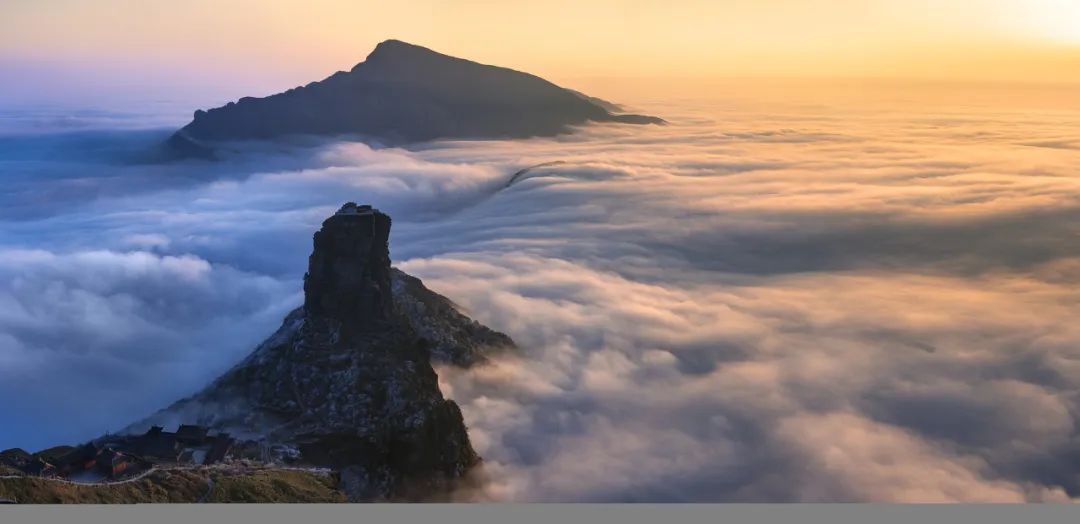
(404, 93)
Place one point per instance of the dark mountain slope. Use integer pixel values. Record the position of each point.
(347, 382)
(404, 93)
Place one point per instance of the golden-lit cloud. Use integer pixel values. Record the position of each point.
(811, 290)
(792, 292)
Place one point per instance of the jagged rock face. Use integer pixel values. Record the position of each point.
(369, 406)
(348, 276)
(347, 379)
(403, 93)
(453, 337)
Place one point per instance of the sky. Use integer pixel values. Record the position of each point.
(213, 51)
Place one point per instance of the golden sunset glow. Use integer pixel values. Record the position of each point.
(1001, 40)
(1056, 21)
(670, 251)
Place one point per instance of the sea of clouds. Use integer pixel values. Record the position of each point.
(783, 301)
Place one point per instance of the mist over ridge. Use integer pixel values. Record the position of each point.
(757, 302)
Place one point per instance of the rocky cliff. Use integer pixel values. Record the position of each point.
(347, 380)
(404, 93)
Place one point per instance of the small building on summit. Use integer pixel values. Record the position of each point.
(352, 208)
(92, 462)
(218, 449)
(190, 444)
(81, 458)
(117, 456)
(191, 435)
(114, 464)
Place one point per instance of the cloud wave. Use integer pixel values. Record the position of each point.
(796, 302)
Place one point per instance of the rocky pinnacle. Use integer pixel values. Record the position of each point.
(347, 381)
(348, 278)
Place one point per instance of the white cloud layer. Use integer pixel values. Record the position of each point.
(755, 303)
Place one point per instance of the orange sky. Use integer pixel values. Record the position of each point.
(282, 43)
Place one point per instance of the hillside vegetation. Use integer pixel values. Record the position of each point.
(207, 484)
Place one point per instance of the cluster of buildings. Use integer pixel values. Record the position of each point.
(118, 456)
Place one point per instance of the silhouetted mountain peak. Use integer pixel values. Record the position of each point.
(396, 50)
(403, 93)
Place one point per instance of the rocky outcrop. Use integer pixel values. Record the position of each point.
(348, 278)
(347, 380)
(403, 93)
(453, 337)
